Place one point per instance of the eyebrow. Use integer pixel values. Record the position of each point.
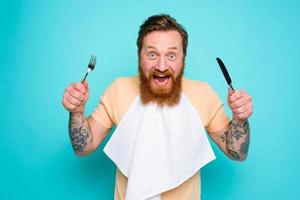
(172, 48)
(175, 48)
(150, 47)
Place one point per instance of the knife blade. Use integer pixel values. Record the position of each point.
(225, 73)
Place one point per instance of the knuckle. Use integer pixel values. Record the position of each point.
(77, 95)
(236, 104)
(73, 93)
(73, 100)
(70, 99)
(80, 85)
(231, 98)
(244, 102)
(66, 105)
(82, 97)
(76, 85)
(235, 112)
(83, 90)
(72, 107)
(232, 106)
(78, 103)
(242, 116)
(239, 110)
(70, 89)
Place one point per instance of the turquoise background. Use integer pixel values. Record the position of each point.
(46, 45)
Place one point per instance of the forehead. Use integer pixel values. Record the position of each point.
(163, 39)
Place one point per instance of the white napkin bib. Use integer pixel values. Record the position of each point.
(158, 148)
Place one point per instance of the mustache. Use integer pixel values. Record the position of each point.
(156, 72)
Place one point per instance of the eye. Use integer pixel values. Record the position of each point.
(152, 55)
(172, 56)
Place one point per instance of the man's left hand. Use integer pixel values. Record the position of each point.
(240, 103)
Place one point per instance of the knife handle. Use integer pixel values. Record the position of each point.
(231, 88)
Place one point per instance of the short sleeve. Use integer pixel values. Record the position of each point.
(104, 112)
(217, 118)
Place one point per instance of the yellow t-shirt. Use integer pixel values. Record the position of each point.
(120, 95)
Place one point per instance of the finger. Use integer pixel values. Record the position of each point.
(67, 105)
(238, 103)
(244, 115)
(80, 87)
(240, 110)
(230, 91)
(76, 94)
(72, 100)
(235, 96)
(239, 95)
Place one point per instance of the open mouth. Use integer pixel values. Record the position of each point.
(161, 79)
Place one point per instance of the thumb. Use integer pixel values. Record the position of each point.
(230, 91)
(85, 84)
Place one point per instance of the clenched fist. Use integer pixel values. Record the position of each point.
(240, 103)
(75, 97)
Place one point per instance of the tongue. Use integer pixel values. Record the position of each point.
(160, 79)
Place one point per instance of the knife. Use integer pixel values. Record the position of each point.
(225, 73)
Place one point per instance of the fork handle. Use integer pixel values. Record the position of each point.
(84, 77)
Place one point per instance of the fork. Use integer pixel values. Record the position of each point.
(91, 67)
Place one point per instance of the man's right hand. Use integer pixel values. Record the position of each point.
(75, 97)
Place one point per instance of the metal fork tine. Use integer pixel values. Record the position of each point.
(91, 66)
(93, 60)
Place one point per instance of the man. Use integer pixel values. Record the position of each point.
(159, 144)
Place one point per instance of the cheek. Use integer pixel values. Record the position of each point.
(177, 67)
(146, 66)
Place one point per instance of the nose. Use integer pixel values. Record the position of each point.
(161, 65)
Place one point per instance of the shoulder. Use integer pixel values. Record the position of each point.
(204, 99)
(119, 96)
(131, 81)
(201, 94)
(196, 88)
(124, 84)
(123, 90)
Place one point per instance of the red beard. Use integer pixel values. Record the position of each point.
(169, 96)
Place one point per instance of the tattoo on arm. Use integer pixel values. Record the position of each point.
(237, 139)
(234, 154)
(80, 132)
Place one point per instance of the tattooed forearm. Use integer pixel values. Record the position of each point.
(237, 140)
(80, 132)
(233, 154)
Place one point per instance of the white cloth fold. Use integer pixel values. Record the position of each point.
(158, 148)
